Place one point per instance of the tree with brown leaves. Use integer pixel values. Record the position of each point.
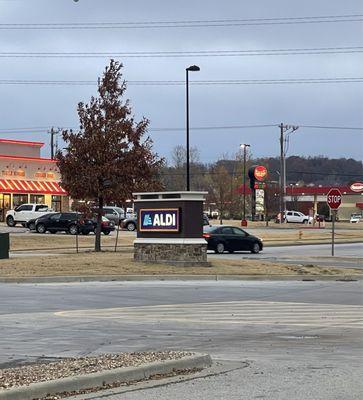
(108, 158)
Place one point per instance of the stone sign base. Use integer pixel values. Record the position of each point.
(181, 252)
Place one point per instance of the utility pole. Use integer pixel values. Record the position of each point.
(244, 147)
(284, 129)
(53, 141)
(52, 133)
(282, 172)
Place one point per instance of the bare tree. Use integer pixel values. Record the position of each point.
(219, 189)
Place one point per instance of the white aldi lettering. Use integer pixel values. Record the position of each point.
(160, 220)
(164, 220)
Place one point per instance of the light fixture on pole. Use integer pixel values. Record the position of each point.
(192, 68)
(244, 147)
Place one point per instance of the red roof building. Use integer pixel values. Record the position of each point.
(26, 177)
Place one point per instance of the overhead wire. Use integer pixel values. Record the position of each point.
(229, 82)
(185, 23)
(239, 174)
(178, 129)
(198, 53)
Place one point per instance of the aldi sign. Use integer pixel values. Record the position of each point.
(159, 220)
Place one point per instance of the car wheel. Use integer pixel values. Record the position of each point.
(131, 226)
(53, 232)
(85, 233)
(219, 248)
(73, 230)
(32, 226)
(106, 233)
(255, 248)
(10, 221)
(40, 228)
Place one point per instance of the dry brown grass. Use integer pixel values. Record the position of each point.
(62, 241)
(110, 263)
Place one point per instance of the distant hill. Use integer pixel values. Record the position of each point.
(317, 170)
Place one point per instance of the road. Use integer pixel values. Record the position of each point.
(346, 255)
(275, 340)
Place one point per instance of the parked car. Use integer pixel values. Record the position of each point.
(131, 223)
(25, 212)
(117, 214)
(221, 238)
(107, 226)
(70, 222)
(295, 217)
(355, 218)
(31, 223)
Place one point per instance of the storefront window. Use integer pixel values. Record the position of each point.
(19, 199)
(56, 203)
(37, 198)
(5, 205)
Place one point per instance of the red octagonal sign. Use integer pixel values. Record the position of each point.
(334, 198)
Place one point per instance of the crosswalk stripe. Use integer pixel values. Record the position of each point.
(236, 312)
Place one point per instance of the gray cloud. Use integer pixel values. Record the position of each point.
(318, 104)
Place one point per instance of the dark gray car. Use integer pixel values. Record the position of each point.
(113, 213)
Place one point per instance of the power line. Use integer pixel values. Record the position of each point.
(234, 174)
(185, 23)
(30, 129)
(255, 126)
(178, 129)
(230, 82)
(199, 53)
(331, 127)
(201, 128)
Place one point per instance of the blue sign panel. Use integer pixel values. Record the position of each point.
(159, 220)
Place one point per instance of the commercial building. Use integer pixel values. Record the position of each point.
(26, 177)
(305, 198)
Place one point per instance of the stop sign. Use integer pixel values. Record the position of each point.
(334, 198)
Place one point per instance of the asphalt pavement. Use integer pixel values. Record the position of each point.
(270, 340)
(348, 255)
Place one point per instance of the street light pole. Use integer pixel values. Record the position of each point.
(191, 68)
(244, 147)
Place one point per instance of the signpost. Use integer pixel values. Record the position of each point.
(334, 200)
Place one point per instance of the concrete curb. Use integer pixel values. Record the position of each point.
(98, 379)
(178, 278)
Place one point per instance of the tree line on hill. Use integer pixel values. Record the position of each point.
(223, 179)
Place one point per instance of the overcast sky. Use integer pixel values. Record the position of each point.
(325, 104)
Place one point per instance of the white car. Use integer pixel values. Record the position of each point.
(298, 217)
(25, 212)
(355, 218)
